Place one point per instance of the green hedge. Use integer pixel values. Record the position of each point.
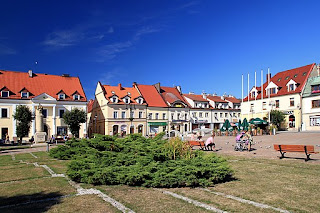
(137, 161)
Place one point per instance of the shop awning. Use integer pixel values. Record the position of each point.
(157, 123)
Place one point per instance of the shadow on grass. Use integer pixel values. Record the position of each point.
(38, 202)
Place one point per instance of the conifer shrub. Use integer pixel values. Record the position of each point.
(138, 161)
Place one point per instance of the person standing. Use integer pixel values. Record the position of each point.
(7, 138)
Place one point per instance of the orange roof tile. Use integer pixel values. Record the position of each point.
(299, 75)
(90, 105)
(151, 95)
(195, 97)
(122, 92)
(171, 94)
(216, 99)
(233, 100)
(39, 84)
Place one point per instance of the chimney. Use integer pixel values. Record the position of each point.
(65, 75)
(120, 86)
(268, 77)
(30, 73)
(204, 95)
(157, 86)
(191, 93)
(214, 94)
(134, 84)
(179, 89)
(222, 97)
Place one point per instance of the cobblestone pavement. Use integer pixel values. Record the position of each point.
(263, 146)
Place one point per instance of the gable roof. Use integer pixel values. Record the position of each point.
(299, 75)
(171, 95)
(233, 100)
(195, 97)
(90, 105)
(121, 92)
(151, 96)
(39, 84)
(216, 99)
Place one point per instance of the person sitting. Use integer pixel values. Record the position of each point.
(210, 142)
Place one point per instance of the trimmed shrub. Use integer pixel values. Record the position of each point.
(138, 161)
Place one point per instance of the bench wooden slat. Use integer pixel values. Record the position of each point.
(307, 149)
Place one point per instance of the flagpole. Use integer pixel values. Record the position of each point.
(262, 85)
(242, 88)
(248, 97)
(255, 84)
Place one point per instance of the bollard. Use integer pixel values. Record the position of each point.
(48, 147)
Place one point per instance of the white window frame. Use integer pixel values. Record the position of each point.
(7, 112)
(27, 96)
(206, 115)
(163, 116)
(123, 114)
(140, 114)
(60, 109)
(126, 100)
(140, 101)
(61, 97)
(150, 116)
(76, 97)
(157, 116)
(115, 114)
(46, 113)
(5, 92)
(114, 99)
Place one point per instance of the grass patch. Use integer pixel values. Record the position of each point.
(58, 166)
(141, 199)
(4, 148)
(22, 173)
(79, 204)
(6, 160)
(279, 183)
(23, 191)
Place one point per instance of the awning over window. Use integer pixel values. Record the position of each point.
(157, 123)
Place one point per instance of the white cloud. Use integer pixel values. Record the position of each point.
(5, 50)
(63, 38)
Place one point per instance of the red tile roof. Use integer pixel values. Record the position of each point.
(90, 105)
(171, 94)
(151, 96)
(233, 100)
(16, 82)
(299, 75)
(122, 92)
(216, 99)
(195, 97)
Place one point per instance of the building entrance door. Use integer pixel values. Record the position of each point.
(292, 121)
(4, 132)
(115, 129)
(131, 129)
(140, 129)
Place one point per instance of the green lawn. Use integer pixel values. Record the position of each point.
(288, 184)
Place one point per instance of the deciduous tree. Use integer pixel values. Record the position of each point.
(23, 116)
(74, 119)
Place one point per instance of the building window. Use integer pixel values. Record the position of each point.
(61, 112)
(61, 130)
(61, 96)
(226, 115)
(315, 88)
(172, 115)
(315, 103)
(200, 114)
(186, 116)
(178, 116)
(291, 87)
(315, 121)
(140, 101)
(45, 113)
(277, 103)
(140, 114)
(123, 114)
(114, 100)
(291, 102)
(157, 116)
(221, 114)
(239, 114)
(4, 94)
(131, 114)
(150, 116)
(115, 114)
(205, 105)
(264, 105)
(24, 95)
(216, 115)
(196, 105)
(4, 113)
(127, 100)
(163, 116)
(76, 97)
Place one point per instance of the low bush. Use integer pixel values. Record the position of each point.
(138, 161)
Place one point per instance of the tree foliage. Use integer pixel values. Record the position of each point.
(277, 117)
(74, 119)
(23, 116)
(137, 161)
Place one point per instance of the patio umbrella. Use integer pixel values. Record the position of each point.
(226, 126)
(245, 124)
(258, 121)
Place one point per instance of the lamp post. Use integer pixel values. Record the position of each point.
(271, 104)
(130, 107)
(95, 123)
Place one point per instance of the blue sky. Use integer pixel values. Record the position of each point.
(201, 45)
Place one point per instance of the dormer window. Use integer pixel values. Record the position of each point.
(114, 99)
(272, 88)
(291, 85)
(4, 94)
(62, 96)
(24, 94)
(254, 92)
(315, 88)
(76, 97)
(126, 100)
(140, 101)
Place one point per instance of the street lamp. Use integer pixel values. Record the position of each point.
(272, 104)
(130, 107)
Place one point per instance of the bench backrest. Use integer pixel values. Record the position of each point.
(294, 148)
(196, 143)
